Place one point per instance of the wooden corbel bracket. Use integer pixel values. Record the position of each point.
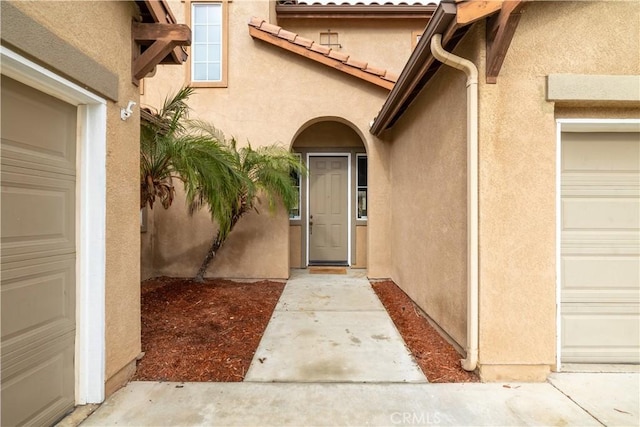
(500, 30)
(160, 40)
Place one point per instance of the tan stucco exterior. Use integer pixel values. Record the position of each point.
(428, 203)
(517, 170)
(359, 36)
(102, 32)
(416, 231)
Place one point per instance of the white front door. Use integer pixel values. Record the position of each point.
(328, 210)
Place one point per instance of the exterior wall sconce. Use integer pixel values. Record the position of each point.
(125, 113)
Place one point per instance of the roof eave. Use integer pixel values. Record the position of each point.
(332, 11)
(443, 21)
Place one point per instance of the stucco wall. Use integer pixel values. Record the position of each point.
(102, 31)
(271, 96)
(384, 43)
(428, 202)
(517, 172)
(517, 143)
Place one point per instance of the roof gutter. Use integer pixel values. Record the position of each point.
(469, 68)
(417, 65)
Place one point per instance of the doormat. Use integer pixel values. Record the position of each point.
(327, 270)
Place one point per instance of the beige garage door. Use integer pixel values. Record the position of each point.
(38, 255)
(600, 247)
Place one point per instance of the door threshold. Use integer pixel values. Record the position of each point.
(328, 264)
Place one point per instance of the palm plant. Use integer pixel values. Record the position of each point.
(265, 171)
(170, 150)
(215, 172)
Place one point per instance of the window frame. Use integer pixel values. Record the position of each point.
(223, 82)
(358, 186)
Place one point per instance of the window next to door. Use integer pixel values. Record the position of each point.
(361, 178)
(294, 212)
(208, 58)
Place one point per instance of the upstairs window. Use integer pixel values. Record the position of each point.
(208, 45)
(361, 175)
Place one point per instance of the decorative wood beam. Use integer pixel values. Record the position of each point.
(318, 57)
(472, 11)
(164, 39)
(161, 13)
(500, 31)
(142, 33)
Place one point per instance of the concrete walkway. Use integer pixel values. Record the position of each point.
(331, 356)
(331, 328)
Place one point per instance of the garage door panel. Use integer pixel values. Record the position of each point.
(38, 216)
(38, 128)
(604, 333)
(600, 279)
(36, 300)
(50, 372)
(604, 213)
(600, 151)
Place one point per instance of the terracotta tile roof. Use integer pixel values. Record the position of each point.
(260, 28)
(356, 9)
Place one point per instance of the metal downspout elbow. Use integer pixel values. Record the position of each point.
(471, 71)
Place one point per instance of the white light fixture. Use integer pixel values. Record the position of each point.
(125, 113)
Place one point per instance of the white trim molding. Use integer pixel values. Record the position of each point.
(90, 214)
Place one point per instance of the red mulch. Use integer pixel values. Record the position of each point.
(210, 331)
(202, 331)
(437, 358)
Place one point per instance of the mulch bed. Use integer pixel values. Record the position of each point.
(437, 358)
(202, 331)
(210, 331)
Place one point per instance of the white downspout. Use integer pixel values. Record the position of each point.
(447, 58)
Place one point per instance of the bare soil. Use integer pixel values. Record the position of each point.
(210, 331)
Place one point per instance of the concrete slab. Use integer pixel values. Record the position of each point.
(268, 404)
(612, 398)
(325, 346)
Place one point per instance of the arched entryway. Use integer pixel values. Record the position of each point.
(329, 225)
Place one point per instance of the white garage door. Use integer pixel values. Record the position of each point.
(38, 258)
(600, 247)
